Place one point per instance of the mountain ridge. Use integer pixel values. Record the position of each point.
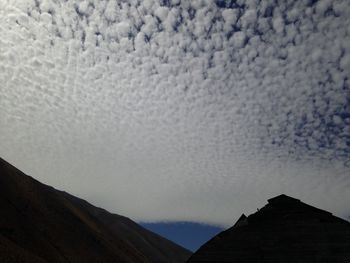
(285, 230)
(41, 224)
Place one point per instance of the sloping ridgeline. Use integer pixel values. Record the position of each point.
(285, 230)
(41, 224)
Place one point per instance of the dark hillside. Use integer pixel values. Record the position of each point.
(41, 224)
(285, 230)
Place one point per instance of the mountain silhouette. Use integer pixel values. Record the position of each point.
(41, 224)
(286, 230)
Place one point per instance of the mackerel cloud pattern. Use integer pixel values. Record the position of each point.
(179, 110)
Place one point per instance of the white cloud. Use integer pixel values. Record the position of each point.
(111, 10)
(248, 18)
(189, 111)
(278, 24)
(238, 39)
(230, 15)
(162, 12)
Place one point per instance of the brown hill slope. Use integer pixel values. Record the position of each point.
(285, 230)
(41, 224)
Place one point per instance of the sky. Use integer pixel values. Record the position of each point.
(175, 110)
(187, 234)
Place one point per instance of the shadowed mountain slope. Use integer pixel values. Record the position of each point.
(41, 224)
(285, 230)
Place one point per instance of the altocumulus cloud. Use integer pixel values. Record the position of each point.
(179, 110)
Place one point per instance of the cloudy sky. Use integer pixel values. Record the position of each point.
(178, 110)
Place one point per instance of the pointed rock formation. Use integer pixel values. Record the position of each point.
(285, 230)
(41, 224)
